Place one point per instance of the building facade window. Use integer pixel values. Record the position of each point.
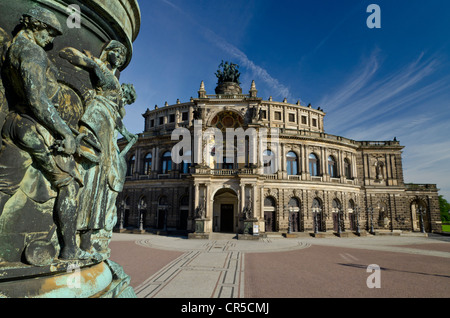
(332, 167)
(292, 118)
(347, 168)
(263, 114)
(147, 169)
(292, 163)
(227, 164)
(314, 165)
(166, 162)
(131, 164)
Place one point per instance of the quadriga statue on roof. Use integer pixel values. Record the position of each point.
(60, 166)
(228, 72)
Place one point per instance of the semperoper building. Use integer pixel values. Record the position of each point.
(299, 180)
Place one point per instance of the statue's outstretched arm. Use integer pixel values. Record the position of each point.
(83, 61)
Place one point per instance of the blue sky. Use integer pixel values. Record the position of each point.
(374, 84)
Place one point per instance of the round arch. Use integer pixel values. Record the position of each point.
(225, 210)
(270, 214)
(221, 119)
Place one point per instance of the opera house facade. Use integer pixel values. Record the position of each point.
(266, 163)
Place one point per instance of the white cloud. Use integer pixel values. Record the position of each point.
(359, 102)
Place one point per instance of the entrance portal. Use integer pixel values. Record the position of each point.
(226, 217)
(225, 211)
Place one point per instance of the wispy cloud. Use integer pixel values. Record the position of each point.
(257, 71)
(400, 104)
(363, 99)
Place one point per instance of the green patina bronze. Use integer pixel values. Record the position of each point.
(60, 166)
(228, 72)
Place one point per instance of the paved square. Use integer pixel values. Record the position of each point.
(175, 267)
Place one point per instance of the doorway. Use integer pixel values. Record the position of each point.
(225, 208)
(226, 217)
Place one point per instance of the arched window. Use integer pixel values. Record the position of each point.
(347, 169)
(294, 205)
(147, 164)
(351, 205)
(313, 165)
(166, 162)
(336, 205)
(292, 163)
(332, 167)
(131, 164)
(163, 201)
(316, 204)
(269, 202)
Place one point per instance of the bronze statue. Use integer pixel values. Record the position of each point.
(59, 159)
(101, 121)
(230, 73)
(38, 144)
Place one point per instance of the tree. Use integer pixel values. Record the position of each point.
(444, 207)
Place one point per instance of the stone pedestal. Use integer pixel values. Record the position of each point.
(251, 226)
(200, 226)
(228, 88)
(66, 280)
(250, 230)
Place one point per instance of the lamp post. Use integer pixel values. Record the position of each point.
(141, 221)
(287, 208)
(371, 219)
(339, 220)
(357, 219)
(141, 207)
(315, 209)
